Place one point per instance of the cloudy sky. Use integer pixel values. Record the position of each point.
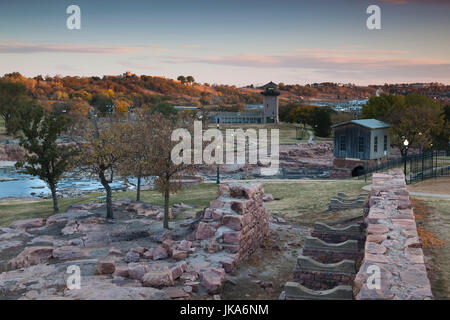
(232, 42)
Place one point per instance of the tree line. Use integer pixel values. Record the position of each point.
(103, 146)
(318, 118)
(417, 118)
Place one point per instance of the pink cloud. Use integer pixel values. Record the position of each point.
(333, 64)
(21, 47)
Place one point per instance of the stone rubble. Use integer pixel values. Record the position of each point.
(132, 256)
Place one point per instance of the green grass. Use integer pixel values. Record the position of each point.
(307, 201)
(17, 210)
(300, 201)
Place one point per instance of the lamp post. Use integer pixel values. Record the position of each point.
(218, 167)
(405, 144)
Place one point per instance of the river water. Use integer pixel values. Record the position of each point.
(23, 185)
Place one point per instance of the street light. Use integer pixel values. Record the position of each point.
(218, 170)
(405, 144)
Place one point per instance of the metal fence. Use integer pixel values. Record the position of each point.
(418, 167)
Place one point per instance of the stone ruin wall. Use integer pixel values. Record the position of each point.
(236, 222)
(392, 243)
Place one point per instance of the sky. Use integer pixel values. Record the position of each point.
(236, 42)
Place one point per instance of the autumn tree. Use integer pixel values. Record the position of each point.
(45, 157)
(302, 114)
(101, 151)
(414, 117)
(138, 149)
(13, 95)
(190, 79)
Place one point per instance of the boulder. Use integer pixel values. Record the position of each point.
(106, 265)
(179, 254)
(139, 250)
(31, 256)
(28, 224)
(69, 253)
(160, 253)
(213, 280)
(178, 270)
(131, 257)
(121, 271)
(158, 279)
(205, 231)
(137, 271)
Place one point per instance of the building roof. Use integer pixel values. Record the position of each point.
(185, 108)
(368, 123)
(254, 106)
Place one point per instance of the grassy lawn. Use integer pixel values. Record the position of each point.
(307, 201)
(287, 130)
(17, 210)
(300, 201)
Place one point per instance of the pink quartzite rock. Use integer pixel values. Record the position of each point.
(137, 271)
(178, 270)
(205, 231)
(233, 222)
(377, 229)
(213, 280)
(27, 224)
(184, 245)
(377, 238)
(131, 257)
(106, 265)
(121, 271)
(31, 256)
(158, 279)
(160, 253)
(69, 253)
(179, 254)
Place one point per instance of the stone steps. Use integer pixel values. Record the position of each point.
(330, 234)
(295, 291)
(319, 276)
(326, 269)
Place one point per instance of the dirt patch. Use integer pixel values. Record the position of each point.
(433, 225)
(439, 186)
(266, 271)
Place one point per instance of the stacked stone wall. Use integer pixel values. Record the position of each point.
(392, 244)
(236, 222)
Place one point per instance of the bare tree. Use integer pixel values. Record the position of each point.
(100, 152)
(168, 175)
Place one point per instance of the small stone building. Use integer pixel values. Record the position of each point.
(357, 144)
(270, 94)
(266, 113)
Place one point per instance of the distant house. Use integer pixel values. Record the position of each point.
(358, 144)
(366, 139)
(254, 113)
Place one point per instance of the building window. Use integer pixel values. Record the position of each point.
(375, 145)
(343, 145)
(385, 143)
(361, 144)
